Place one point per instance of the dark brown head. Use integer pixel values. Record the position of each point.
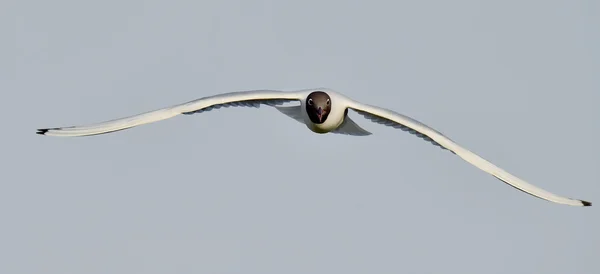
(318, 106)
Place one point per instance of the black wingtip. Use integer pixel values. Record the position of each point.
(42, 131)
(586, 203)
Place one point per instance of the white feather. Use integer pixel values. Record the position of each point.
(382, 115)
(240, 98)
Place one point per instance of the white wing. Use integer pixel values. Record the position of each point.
(396, 120)
(252, 98)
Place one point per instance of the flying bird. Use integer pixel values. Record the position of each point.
(322, 111)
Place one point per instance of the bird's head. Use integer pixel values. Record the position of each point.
(318, 106)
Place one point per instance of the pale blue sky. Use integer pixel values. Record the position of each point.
(224, 192)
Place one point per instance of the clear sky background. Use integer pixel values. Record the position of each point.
(229, 191)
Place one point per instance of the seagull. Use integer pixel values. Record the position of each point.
(321, 110)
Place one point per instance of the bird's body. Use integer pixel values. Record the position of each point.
(335, 117)
(321, 111)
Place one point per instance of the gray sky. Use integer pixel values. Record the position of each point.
(224, 191)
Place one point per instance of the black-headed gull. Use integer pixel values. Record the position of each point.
(322, 111)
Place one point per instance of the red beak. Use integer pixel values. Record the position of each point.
(320, 114)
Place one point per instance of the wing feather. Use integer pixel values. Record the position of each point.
(252, 98)
(397, 120)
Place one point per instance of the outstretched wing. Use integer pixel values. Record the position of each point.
(396, 120)
(252, 98)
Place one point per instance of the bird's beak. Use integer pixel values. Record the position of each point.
(320, 114)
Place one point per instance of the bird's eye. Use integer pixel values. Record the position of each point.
(310, 102)
(328, 102)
